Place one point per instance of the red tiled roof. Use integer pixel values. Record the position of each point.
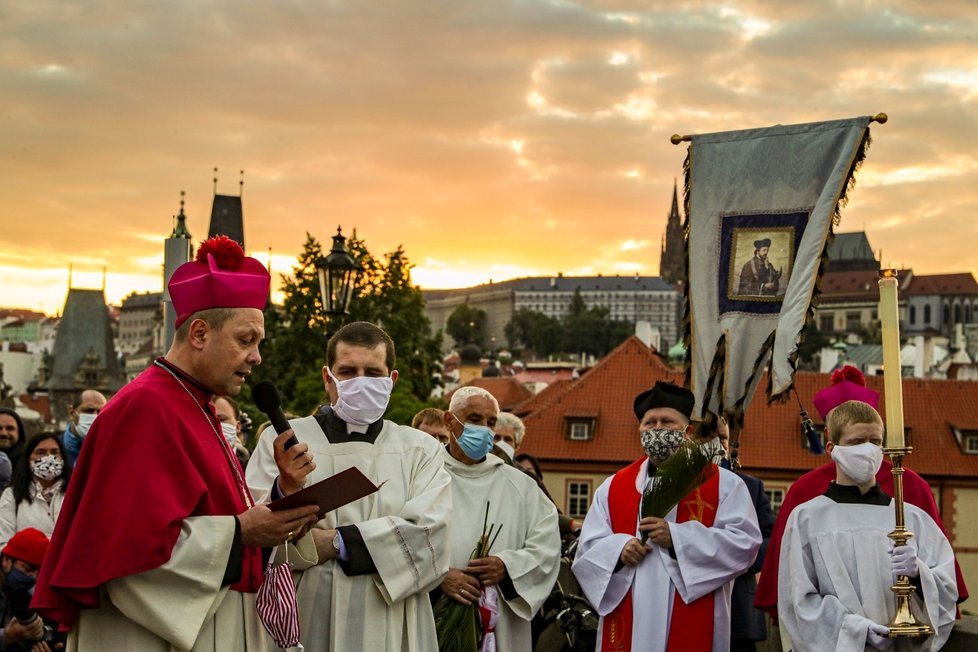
(771, 440)
(508, 391)
(544, 375)
(21, 313)
(543, 397)
(855, 285)
(961, 283)
(40, 403)
(609, 386)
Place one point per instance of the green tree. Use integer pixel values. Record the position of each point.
(811, 342)
(294, 351)
(295, 342)
(390, 300)
(591, 331)
(540, 333)
(585, 330)
(467, 325)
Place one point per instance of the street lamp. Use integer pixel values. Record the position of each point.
(338, 275)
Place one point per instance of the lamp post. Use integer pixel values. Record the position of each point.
(338, 276)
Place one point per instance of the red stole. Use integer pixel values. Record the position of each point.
(691, 625)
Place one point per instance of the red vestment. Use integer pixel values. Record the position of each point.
(150, 460)
(916, 491)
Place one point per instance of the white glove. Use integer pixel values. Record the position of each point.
(904, 561)
(876, 636)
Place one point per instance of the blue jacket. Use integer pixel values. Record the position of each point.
(73, 444)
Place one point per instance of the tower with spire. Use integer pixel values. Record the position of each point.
(177, 250)
(672, 265)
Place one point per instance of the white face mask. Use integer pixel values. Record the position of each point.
(85, 422)
(859, 463)
(48, 467)
(230, 431)
(714, 449)
(506, 448)
(362, 400)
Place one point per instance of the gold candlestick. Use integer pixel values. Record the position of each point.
(904, 622)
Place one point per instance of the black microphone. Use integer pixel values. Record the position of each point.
(268, 401)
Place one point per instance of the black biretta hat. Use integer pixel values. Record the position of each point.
(764, 242)
(664, 395)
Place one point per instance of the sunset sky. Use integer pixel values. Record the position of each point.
(492, 139)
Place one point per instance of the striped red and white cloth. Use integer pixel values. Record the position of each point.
(276, 604)
(488, 617)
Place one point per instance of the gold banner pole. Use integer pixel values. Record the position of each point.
(904, 622)
(675, 139)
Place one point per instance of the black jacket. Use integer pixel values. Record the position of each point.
(746, 622)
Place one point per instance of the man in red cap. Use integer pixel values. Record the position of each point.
(158, 545)
(20, 561)
(848, 384)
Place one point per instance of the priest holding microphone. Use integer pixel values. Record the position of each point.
(158, 542)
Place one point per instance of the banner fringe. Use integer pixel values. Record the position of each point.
(687, 326)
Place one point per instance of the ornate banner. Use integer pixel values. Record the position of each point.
(760, 207)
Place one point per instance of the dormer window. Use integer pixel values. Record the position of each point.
(579, 426)
(967, 440)
(971, 444)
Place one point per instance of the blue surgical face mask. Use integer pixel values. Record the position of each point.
(475, 441)
(18, 579)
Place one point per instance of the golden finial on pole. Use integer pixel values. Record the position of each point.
(904, 622)
(880, 118)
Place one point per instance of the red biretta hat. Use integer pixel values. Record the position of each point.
(848, 384)
(221, 276)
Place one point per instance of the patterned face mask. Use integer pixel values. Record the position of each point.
(660, 443)
(48, 467)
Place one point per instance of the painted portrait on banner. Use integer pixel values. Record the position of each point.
(760, 266)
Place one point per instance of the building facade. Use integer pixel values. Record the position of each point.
(631, 298)
(140, 321)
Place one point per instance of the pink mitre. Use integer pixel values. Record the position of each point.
(221, 276)
(848, 384)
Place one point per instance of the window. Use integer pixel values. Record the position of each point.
(776, 496)
(580, 430)
(853, 322)
(826, 323)
(971, 444)
(913, 315)
(578, 497)
(927, 314)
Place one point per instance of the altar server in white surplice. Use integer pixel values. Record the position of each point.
(366, 569)
(521, 567)
(837, 564)
(672, 593)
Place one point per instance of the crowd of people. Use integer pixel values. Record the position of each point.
(164, 535)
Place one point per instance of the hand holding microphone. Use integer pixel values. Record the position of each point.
(292, 458)
(268, 401)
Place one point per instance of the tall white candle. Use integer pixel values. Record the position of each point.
(892, 376)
